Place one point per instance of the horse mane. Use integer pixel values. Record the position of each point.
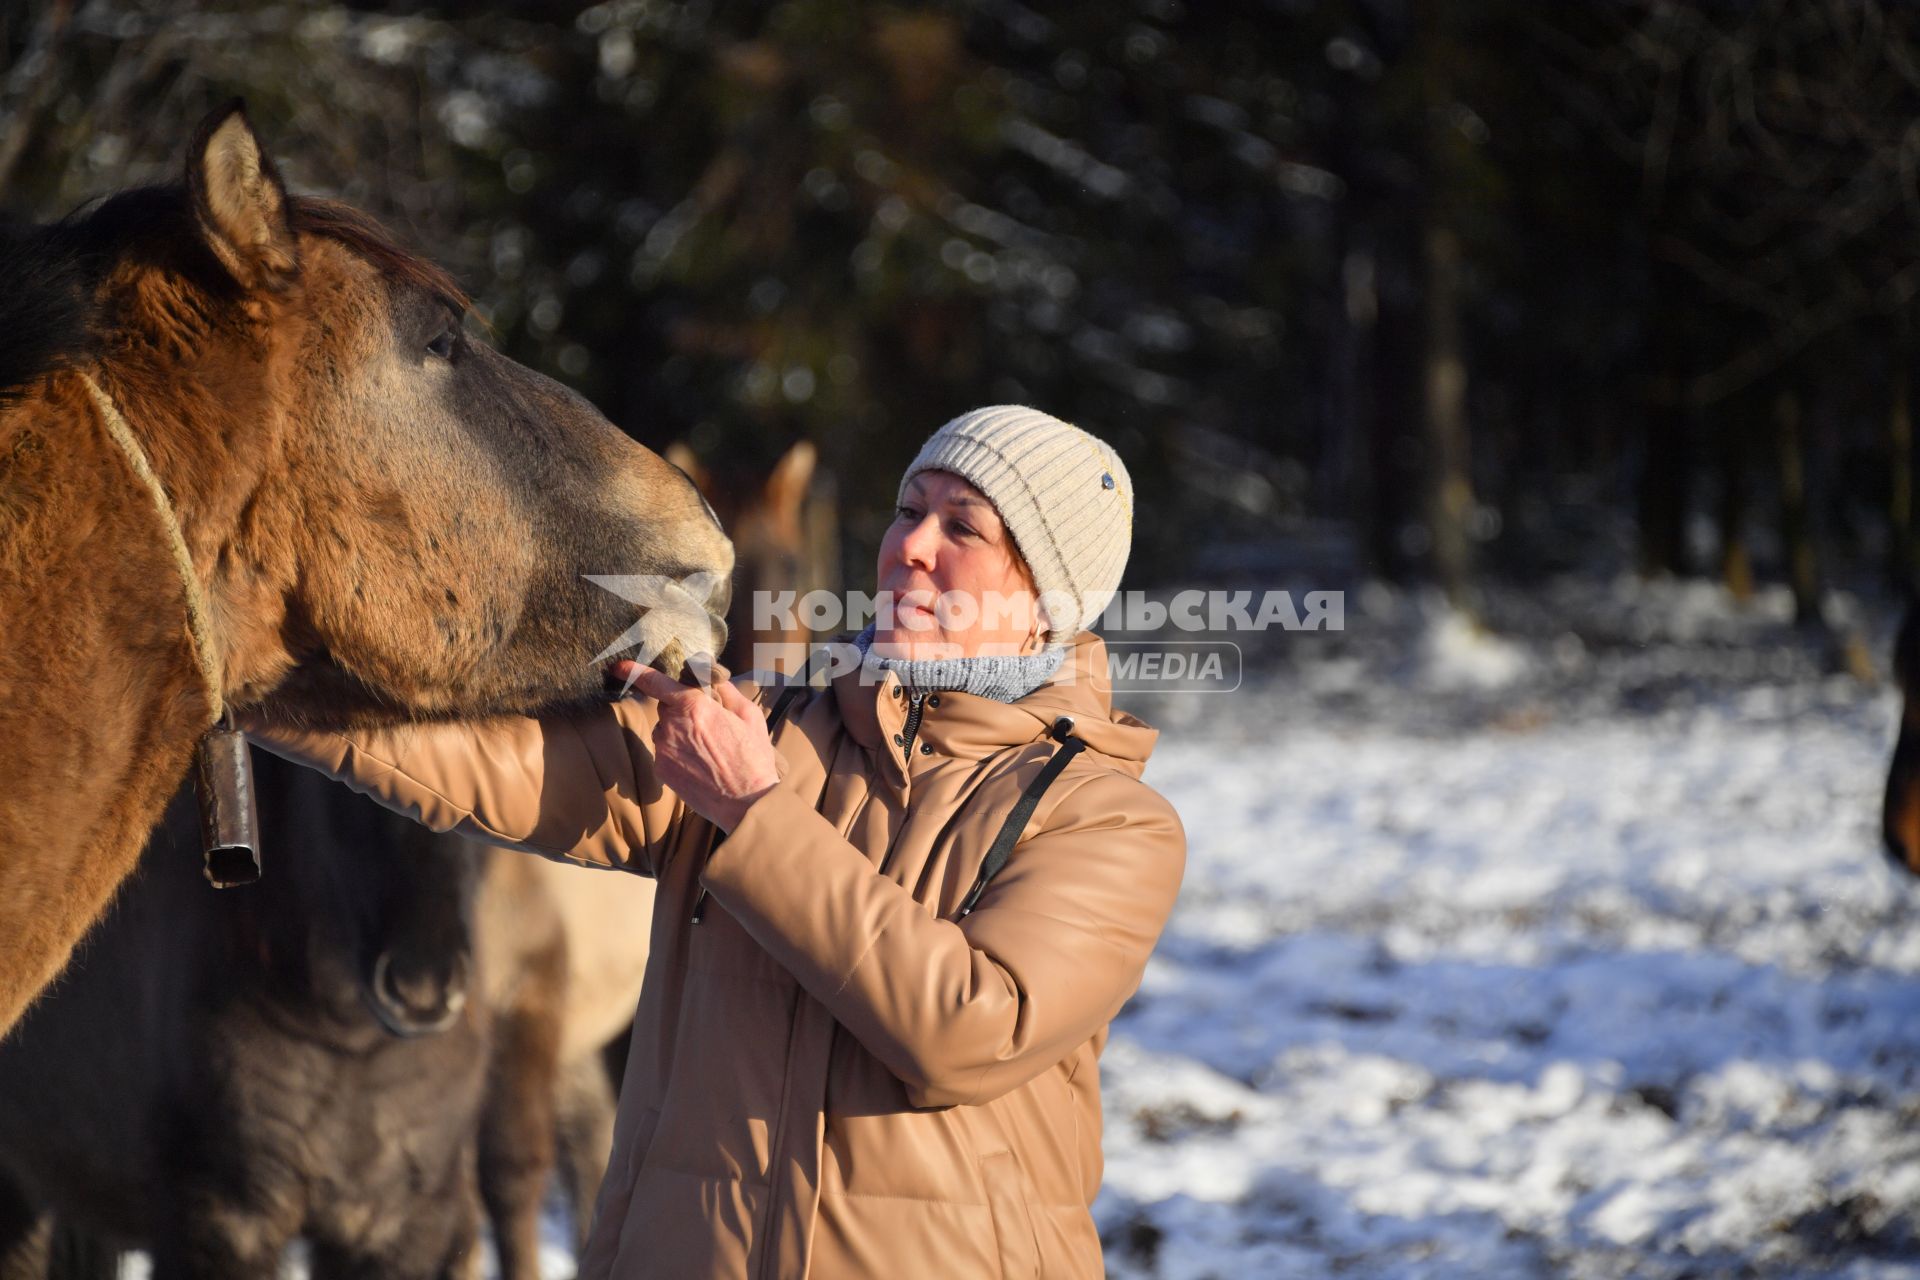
(49, 274)
(45, 306)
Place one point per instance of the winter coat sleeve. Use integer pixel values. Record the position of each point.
(965, 1011)
(577, 787)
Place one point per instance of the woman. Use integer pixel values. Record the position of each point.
(857, 1055)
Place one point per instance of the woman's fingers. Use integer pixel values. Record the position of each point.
(657, 684)
(735, 701)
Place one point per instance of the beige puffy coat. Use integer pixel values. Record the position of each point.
(830, 1075)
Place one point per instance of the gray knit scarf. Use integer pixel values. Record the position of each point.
(1002, 677)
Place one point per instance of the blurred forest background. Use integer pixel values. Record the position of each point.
(1451, 293)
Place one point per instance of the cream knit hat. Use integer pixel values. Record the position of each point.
(1064, 495)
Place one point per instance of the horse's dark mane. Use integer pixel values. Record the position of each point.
(44, 305)
(49, 273)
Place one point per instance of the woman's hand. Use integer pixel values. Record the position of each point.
(716, 756)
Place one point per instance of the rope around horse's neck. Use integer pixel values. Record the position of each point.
(198, 620)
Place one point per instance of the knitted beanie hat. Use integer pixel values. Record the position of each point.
(1064, 495)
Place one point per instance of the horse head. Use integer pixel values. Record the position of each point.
(367, 920)
(390, 516)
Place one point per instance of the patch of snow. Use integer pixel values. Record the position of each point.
(1457, 653)
(1590, 995)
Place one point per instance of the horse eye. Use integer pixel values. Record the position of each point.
(442, 346)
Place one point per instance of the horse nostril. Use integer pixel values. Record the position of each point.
(417, 1002)
(1896, 850)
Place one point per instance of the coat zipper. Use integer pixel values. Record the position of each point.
(916, 703)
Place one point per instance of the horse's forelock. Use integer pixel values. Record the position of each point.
(367, 239)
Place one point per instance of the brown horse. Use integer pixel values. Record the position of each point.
(1900, 811)
(785, 537)
(379, 517)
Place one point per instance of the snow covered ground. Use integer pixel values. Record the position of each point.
(1550, 985)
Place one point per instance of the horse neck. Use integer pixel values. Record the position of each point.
(196, 445)
(101, 700)
(213, 452)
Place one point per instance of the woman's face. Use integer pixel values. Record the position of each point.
(956, 584)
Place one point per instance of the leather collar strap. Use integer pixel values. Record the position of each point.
(198, 621)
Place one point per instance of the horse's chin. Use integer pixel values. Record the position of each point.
(322, 694)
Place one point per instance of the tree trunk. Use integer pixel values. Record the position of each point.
(1663, 491)
(1736, 561)
(1356, 374)
(1448, 500)
(1796, 525)
(1665, 456)
(1900, 524)
(1394, 452)
(1450, 503)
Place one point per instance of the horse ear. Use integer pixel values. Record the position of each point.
(681, 456)
(787, 487)
(239, 200)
